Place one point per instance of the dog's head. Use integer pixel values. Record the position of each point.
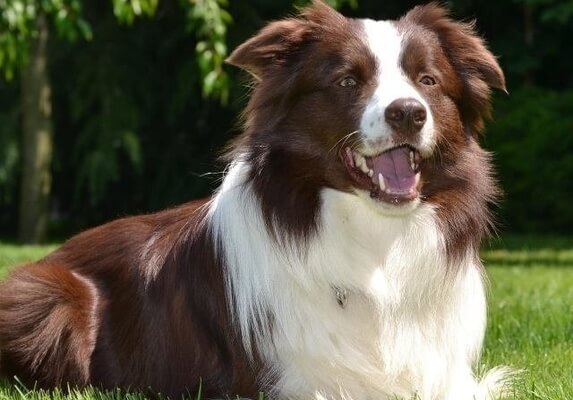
(389, 110)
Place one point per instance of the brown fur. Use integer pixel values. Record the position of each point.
(137, 303)
(458, 178)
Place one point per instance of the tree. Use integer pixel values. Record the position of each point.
(26, 27)
(24, 46)
(37, 134)
(134, 131)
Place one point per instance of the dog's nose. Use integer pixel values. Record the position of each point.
(406, 115)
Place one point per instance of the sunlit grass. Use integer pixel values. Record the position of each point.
(12, 255)
(531, 314)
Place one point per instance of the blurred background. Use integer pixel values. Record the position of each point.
(111, 108)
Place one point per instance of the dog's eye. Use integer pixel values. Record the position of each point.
(348, 82)
(427, 80)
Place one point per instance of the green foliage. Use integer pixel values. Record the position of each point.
(552, 11)
(143, 102)
(562, 13)
(127, 11)
(107, 118)
(208, 20)
(18, 26)
(532, 144)
(339, 3)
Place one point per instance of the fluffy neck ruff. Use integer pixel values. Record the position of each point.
(393, 268)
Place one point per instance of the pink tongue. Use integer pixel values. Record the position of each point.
(394, 165)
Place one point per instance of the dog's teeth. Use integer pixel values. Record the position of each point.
(360, 162)
(381, 182)
(412, 162)
(370, 173)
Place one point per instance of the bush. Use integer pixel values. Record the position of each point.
(532, 141)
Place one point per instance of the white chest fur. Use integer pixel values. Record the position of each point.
(408, 326)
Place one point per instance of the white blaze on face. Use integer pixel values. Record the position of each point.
(386, 44)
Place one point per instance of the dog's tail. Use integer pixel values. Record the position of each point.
(44, 325)
(499, 383)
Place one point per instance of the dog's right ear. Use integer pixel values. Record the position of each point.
(275, 45)
(281, 43)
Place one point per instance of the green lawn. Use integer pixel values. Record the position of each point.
(531, 313)
(12, 255)
(530, 322)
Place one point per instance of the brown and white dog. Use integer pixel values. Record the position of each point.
(338, 259)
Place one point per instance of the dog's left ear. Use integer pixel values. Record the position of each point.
(474, 63)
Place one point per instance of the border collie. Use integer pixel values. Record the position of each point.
(339, 258)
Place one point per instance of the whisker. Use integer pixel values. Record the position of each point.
(343, 139)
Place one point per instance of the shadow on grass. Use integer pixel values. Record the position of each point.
(524, 251)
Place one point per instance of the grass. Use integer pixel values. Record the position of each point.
(19, 392)
(12, 255)
(531, 314)
(530, 321)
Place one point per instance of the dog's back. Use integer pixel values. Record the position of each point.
(114, 307)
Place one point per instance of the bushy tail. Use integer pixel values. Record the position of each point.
(45, 325)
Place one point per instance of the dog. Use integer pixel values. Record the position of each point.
(337, 260)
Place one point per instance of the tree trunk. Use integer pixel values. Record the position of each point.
(529, 37)
(36, 140)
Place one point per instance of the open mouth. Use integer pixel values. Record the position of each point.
(392, 176)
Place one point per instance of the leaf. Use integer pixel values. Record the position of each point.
(209, 20)
(132, 147)
(85, 29)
